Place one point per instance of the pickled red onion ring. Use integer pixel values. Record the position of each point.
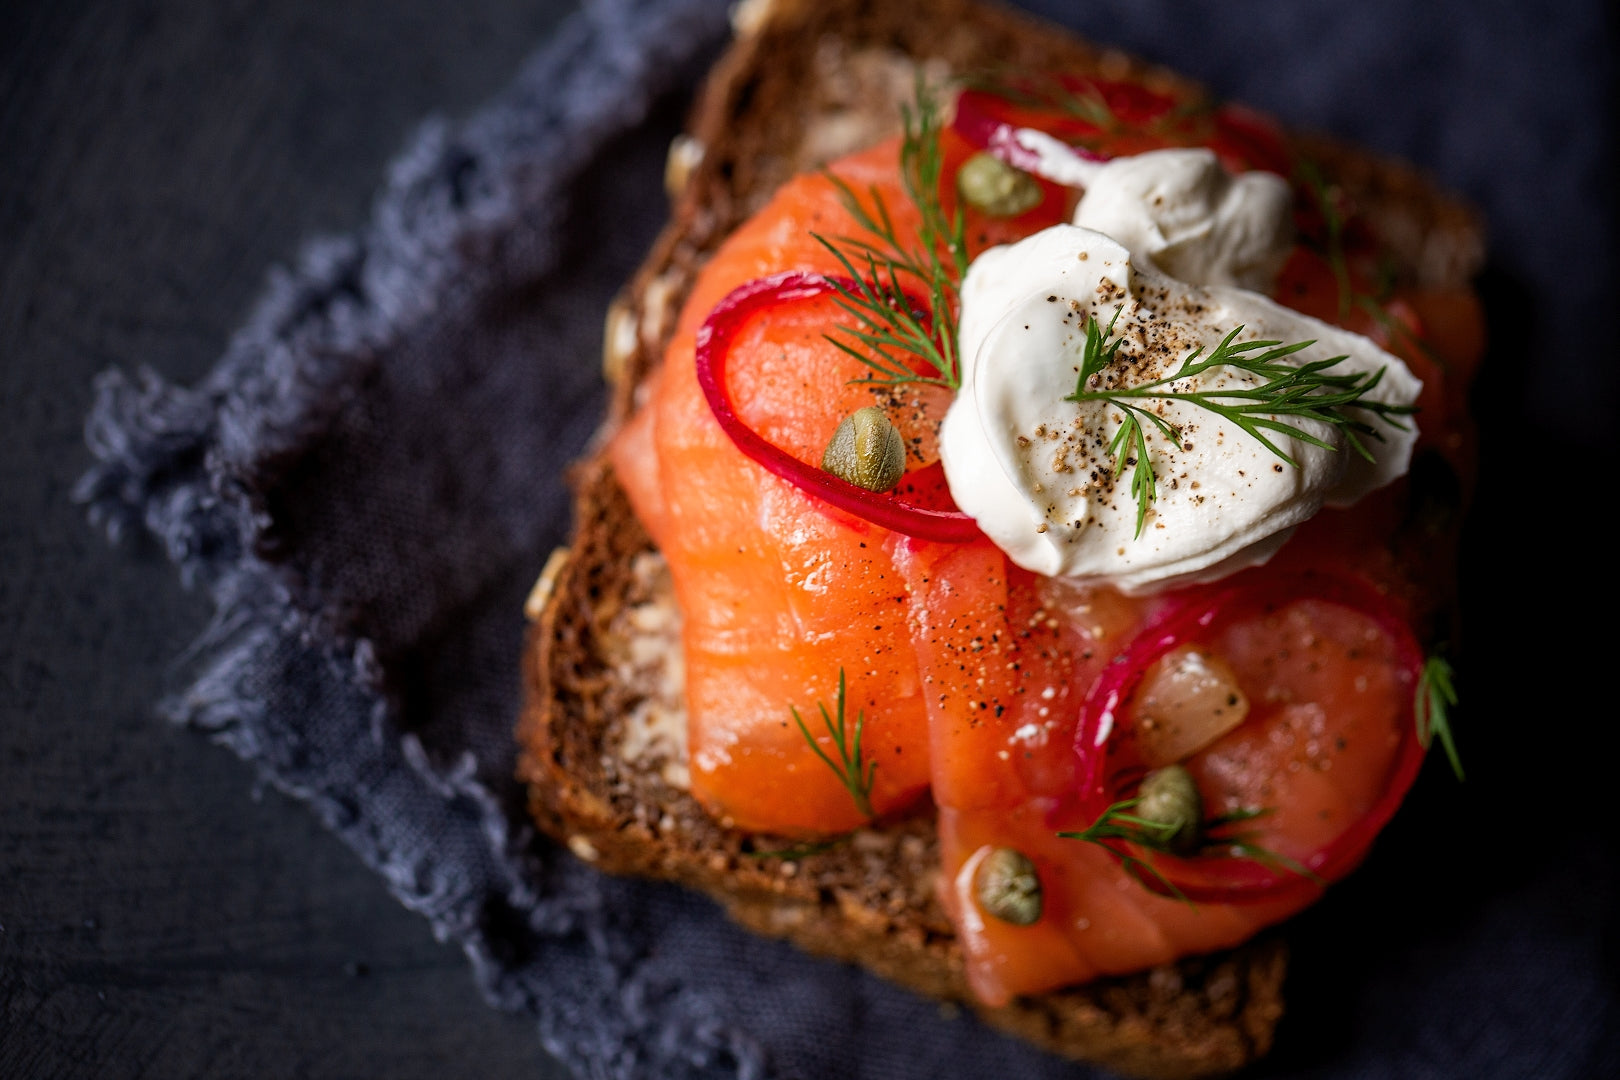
(1226, 880)
(714, 341)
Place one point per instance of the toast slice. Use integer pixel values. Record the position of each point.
(602, 732)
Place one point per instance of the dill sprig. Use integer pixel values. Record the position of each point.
(1047, 93)
(887, 329)
(1303, 392)
(852, 769)
(1334, 225)
(1396, 329)
(1333, 222)
(1117, 823)
(886, 323)
(1186, 121)
(1432, 703)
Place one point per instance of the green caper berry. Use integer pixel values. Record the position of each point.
(867, 450)
(1169, 797)
(1008, 887)
(989, 184)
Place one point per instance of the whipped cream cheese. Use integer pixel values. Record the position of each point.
(1194, 220)
(1035, 471)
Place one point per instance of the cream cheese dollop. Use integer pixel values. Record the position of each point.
(1177, 207)
(1034, 470)
(1194, 220)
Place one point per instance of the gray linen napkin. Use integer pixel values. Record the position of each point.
(368, 482)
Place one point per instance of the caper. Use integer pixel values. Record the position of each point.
(1169, 797)
(867, 450)
(1008, 887)
(987, 183)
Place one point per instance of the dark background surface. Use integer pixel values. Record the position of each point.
(158, 919)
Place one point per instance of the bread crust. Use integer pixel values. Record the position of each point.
(800, 81)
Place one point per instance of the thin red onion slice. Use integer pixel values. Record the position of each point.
(714, 341)
(1241, 880)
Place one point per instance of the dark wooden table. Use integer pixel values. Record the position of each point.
(157, 917)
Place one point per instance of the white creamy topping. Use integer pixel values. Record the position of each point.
(1194, 220)
(1034, 470)
(1178, 208)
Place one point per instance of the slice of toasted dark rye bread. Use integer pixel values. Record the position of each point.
(805, 81)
